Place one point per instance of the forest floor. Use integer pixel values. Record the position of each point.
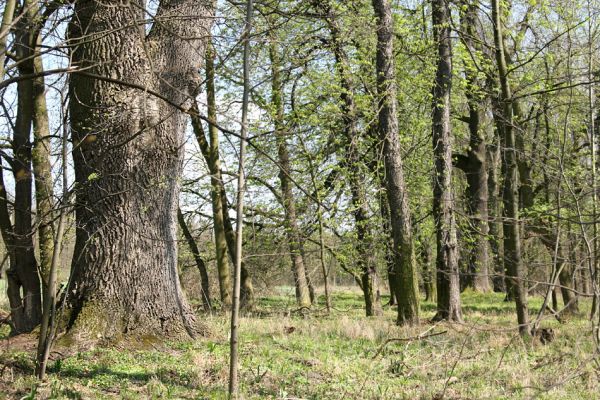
(344, 355)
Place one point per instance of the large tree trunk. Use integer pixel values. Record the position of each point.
(448, 288)
(407, 289)
(510, 196)
(216, 181)
(303, 297)
(128, 158)
(474, 164)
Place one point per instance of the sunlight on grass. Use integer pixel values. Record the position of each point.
(338, 356)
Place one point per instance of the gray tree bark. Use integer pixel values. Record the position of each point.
(448, 288)
(406, 285)
(128, 159)
(474, 164)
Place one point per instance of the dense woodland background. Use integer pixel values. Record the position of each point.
(431, 165)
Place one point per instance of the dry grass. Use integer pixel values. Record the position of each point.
(341, 356)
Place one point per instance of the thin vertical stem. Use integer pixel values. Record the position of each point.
(7, 19)
(593, 144)
(235, 308)
(49, 311)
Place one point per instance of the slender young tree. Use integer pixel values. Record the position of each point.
(448, 288)
(42, 171)
(235, 307)
(48, 325)
(247, 288)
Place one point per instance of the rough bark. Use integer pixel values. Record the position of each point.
(200, 264)
(294, 239)
(407, 290)
(510, 196)
(42, 171)
(448, 288)
(216, 180)
(474, 164)
(128, 159)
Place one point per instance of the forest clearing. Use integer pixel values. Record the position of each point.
(300, 199)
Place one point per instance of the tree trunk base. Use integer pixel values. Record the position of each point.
(103, 323)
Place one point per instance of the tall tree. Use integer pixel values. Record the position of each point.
(127, 119)
(24, 292)
(448, 288)
(294, 238)
(510, 196)
(474, 163)
(407, 291)
(353, 164)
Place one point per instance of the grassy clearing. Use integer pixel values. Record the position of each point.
(342, 356)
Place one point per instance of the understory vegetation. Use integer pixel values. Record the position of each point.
(344, 355)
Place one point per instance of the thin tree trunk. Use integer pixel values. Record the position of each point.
(47, 328)
(6, 225)
(294, 239)
(512, 242)
(235, 308)
(324, 270)
(407, 289)
(204, 282)
(429, 273)
(448, 287)
(495, 220)
(216, 182)
(42, 171)
(389, 245)
(247, 289)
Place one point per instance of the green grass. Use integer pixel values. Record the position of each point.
(339, 356)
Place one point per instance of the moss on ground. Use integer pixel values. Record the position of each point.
(343, 355)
